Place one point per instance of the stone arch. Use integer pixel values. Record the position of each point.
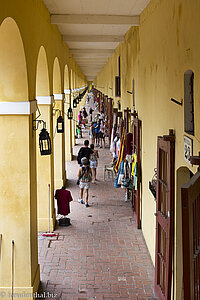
(13, 71)
(56, 77)
(66, 77)
(42, 74)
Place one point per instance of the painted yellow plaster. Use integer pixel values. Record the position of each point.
(156, 54)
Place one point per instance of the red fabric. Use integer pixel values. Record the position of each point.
(63, 198)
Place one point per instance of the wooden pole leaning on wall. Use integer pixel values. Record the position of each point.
(0, 245)
(13, 265)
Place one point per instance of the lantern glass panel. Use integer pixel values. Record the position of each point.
(44, 142)
(60, 124)
(70, 113)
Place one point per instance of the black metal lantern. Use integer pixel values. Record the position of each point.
(74, 103)
(70, 113)
(44, 142)
(60, 124)
(79, 97)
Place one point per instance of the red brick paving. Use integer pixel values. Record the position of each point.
(101, 255)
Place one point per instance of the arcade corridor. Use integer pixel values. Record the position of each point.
(101, 255)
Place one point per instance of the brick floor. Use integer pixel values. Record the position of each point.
(101, 255)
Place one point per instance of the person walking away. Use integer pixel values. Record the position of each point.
(90, 113)
(84, 152)
(84, 175)
(84, 116)
(97, 126)
(102, 133)
(80, 117)
(92, 133)
(94, 162)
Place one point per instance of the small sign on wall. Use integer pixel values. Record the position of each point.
(188, 149)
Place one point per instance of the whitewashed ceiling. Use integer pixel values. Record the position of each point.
(93, 29)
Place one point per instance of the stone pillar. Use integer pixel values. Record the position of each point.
(59, 143)
(18, 199)
(45, 168)
(68, 127)
(73, 121)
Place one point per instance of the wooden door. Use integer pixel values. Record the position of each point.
(190, 194)
(137, 150)
(164, 215)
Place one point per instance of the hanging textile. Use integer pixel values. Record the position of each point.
(129, 143)
(121, 153)
(111, 140)
(135, 170)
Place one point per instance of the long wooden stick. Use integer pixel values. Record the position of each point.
(0, 245)
(13, 245)
(49, 206)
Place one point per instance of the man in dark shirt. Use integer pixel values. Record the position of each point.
(84, 152)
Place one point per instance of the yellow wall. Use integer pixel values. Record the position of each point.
(156, 54)
(32, 63)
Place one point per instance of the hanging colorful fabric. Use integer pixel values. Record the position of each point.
(116, 185)
(135, 170)
(121, 175)
(121, 153)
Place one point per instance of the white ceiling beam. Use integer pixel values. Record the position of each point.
(101, 59)
(92, 51)
(95, 19)
(96, 56)
(92, 62)
(90, 66)
(93, 38)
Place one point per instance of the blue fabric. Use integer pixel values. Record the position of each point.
(97, 128)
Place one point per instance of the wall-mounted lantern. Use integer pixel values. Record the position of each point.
(44, 142)
(70, 113)
(44, 138)
(60, 124)
(74, 103)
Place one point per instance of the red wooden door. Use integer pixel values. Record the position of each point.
(190, 194)
(137, 150)
(164, 215)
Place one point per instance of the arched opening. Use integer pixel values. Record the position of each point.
(59, 143)
(42, 74)
(189, 102)
(56, 77)
(13, 71)
(18, 202)
(68, 123)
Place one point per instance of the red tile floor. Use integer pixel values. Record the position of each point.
(101, 255)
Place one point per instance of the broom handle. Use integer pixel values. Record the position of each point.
(49, 206)
(13, 244)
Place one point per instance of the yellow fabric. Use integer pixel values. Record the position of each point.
(134, 159)
(121, 153)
